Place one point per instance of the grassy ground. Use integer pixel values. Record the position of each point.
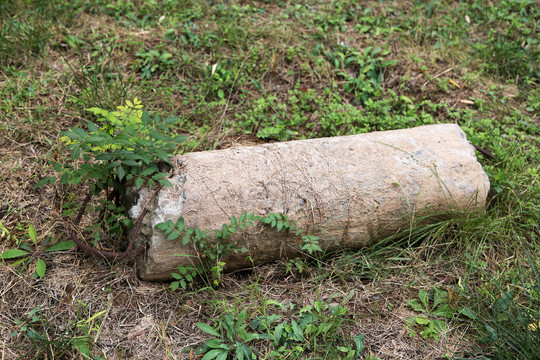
(250, 72)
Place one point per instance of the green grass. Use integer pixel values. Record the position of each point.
(255, 72)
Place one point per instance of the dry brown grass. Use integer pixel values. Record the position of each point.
(147, 321)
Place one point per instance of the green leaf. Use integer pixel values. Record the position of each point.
(81, 344)
(40, 268)
(243, 351)
(266, 220)
(96, 139)
(162, 155)
(218, 354)
(170, 120)
(444, 311)
(152, 168)
(251, 336)
(277, 333)
(159, 175)
(297, 331)
(243, 217)
(216, 344)
(424, 298)
(180, 139)
(162, 226)
(257, 85)
(120, 172)
(76, 133)
(75, 152)
(503, 302)
(241, 317)
(61, 246)
(421, 321)
(208, 329)
(139, 182)
(131, 162)
(468, 312)
(21, 261)
(105, 156)
(439, 297)
(185, 240)
(92, 128)
(13, 253)
(45, 181)
(156, 135)
(97, 111)
(173, 235)
(180, 225)
(415, 305)
(32, 233)
(360, 345)
(165, 182)
(439, 325)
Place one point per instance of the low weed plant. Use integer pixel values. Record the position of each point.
(210, 250)
(435, 310)
(508, 317)
(207, 263)
(230, 336)
(301, 336)
(74, 339)
(153, 62)
(32, 254)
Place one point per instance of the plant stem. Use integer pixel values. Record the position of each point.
(113, 255)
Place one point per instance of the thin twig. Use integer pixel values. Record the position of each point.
(439, 74)
(483, 151)
(137, 228)
(83, 207)
(112, 255)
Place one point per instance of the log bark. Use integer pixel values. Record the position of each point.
(345, 190)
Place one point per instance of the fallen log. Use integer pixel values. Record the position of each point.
(345, 190)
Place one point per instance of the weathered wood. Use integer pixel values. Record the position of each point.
(346, 190)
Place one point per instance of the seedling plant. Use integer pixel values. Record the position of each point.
(127, 146)
(31, 254)
(210, 250)
(435, 309)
